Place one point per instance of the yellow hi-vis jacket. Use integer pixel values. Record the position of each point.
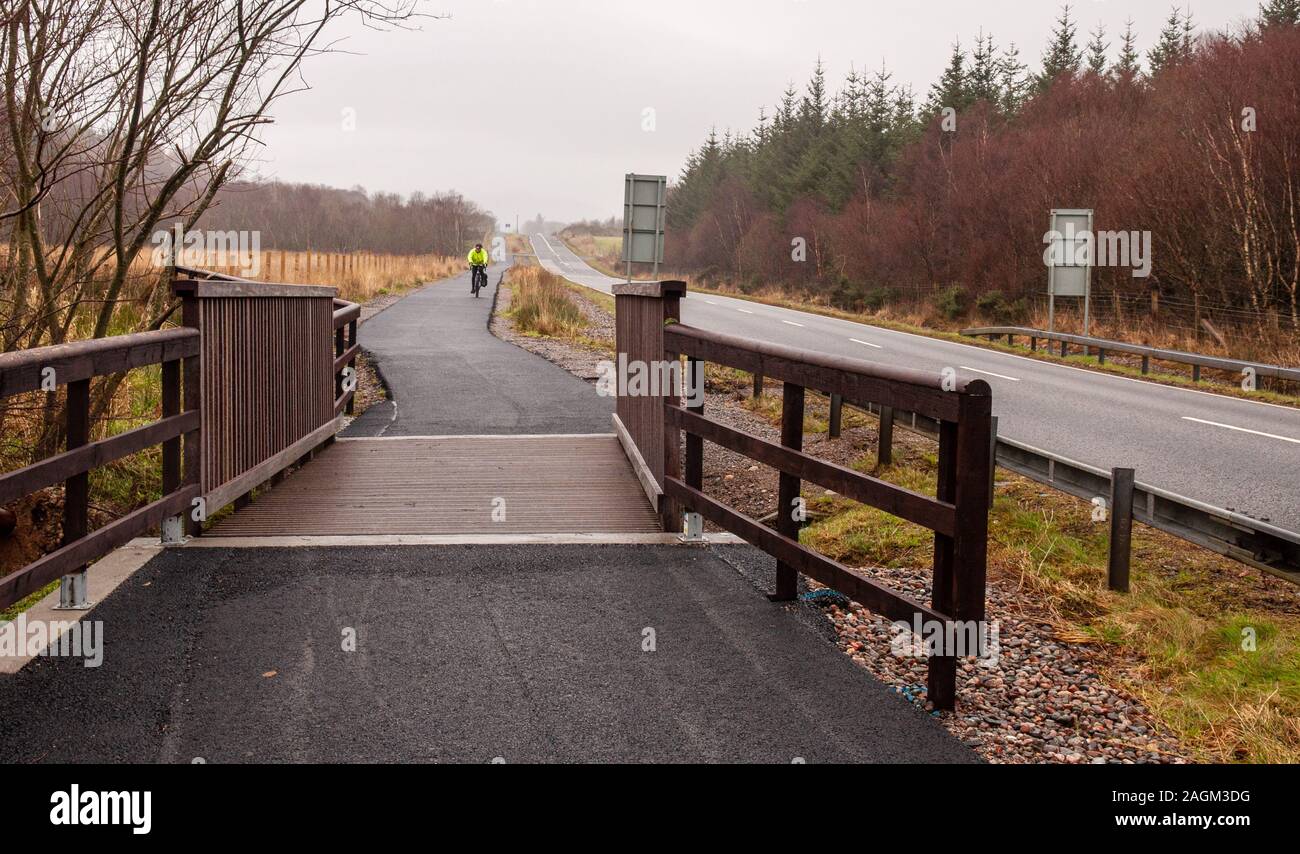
(478, 256)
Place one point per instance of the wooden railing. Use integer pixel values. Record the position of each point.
(268, 378)
(346, 316)
(250, 384)
(74, 365)
(957, 514)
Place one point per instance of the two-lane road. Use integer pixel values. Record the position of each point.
(1232, 453)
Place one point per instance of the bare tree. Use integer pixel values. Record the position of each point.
(121, 116)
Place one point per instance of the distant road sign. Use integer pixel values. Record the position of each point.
(643, 220)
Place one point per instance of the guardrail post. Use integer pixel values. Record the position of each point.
(1065, 349)
(1196, 373)
(758, 386)
(885, 447)
(792, 405)
(1121, 528)
(1101, 355)
(1146, 364)
(837, 415)
(1033, 343)
(76, 496)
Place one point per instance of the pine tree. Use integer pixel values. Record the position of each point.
(985, 82)
(812, 109)
(1097, 48)
(1063, 55)
(1129, 66)
(1015, 80)
(1279, 13)
(951, 90)
(1174, 43)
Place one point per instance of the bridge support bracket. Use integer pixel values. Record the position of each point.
(694, 534)
(72, 593)
(173, 531)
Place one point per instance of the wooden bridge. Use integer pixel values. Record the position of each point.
(258, 378)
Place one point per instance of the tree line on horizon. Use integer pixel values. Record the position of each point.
(316, 217)
(891, 193)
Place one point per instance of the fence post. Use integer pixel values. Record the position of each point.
(173, 527)
(1121, 528)
(837, 415)
(960, 561)
(792, 404)
(641, 310)
(352, 340)
(76, 496)
(694, 446)
(191, 370)
(885, 448)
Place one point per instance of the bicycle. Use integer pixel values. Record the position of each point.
(478, 279)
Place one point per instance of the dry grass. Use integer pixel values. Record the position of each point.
(359, 276)
(542, 304)
(602, 252)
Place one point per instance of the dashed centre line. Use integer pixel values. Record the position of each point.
(792, 323)
(744, 311)
(1242, 429)
(866, 343)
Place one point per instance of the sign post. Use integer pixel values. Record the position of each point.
(643, 220)
(1069, 261)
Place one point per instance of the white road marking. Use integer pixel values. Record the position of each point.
(990, 373)
(744, 311)
(1242, 429)
(792, 323)
(710, 302)
(1160, 388)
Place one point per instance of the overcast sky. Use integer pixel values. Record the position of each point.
(536, 106)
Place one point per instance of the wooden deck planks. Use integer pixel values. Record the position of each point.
(447, 485)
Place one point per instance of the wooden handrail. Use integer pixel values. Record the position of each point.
(957, 513)
(74, 365)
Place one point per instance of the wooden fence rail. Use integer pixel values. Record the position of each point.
(957, 514)
(252, 382)
(74, 365)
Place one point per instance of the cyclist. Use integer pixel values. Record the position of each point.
(478, 260)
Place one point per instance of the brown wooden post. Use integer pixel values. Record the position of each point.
(642, 309)
(789, 487)
(941, 679)
(885, 448)
(1121, 528)
(193, 390)
(964, 581)
(76, 495)
(282, 265)
(837, 415)
(352, 339)
(758, 386)
(173, 528)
